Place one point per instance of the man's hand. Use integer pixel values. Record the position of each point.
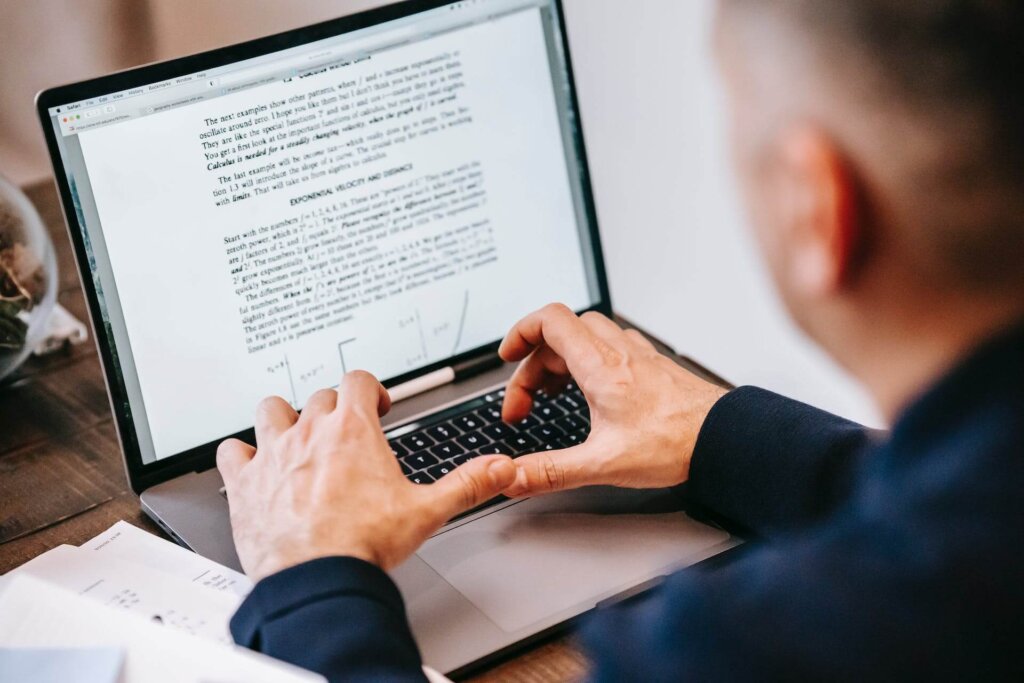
(646, 411)
(326, 483)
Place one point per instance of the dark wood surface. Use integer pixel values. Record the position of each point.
(61, 474)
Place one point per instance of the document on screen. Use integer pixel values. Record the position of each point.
(382, 213)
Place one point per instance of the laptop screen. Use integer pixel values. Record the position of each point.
(386, 199)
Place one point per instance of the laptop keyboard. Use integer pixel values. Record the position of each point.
(431, 449)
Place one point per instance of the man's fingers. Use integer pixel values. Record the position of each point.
(473, 484)
(640, 341)
(602, 325)
(542, 369)
(274, 416)
(360, 392)
(552, 471)
(320, 403)
(232, 456)
(558, 327)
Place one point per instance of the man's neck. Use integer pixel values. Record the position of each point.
(898, 362)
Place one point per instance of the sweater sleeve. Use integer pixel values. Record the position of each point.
(769, 463)
(830, 603)
(340, 617)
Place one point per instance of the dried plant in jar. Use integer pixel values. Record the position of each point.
(22, 280)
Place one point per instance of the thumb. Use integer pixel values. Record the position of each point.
(471, 485)
(232, 456)
(550, 471)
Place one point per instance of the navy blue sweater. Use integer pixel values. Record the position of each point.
(893, 557)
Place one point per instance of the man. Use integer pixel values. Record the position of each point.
(880, 146)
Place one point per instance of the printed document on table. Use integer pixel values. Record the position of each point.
(128, 586)
(39, 614)
(128, 542)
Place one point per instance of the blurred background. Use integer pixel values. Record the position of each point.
(680, 260)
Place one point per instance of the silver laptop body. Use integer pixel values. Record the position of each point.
(388, 191)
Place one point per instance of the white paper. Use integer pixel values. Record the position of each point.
(132, 571)
(132, 587)
(128, 542)
(38, 614)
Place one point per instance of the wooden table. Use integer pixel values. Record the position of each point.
(61, 474)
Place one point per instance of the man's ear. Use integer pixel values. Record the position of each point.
(822, 227)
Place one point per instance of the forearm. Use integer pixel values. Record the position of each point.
(769, 463)
(339, 617)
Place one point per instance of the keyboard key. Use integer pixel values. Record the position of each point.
(447, 451)
(570, 440)
(398, 449)
(438, 471)
(549, 412)
(572, 423)
(490, 414)
(468, 423)
(493, 449)
(522, 443)
(421, 478)
(445, 431)
(416, 442)
(495, 397)
(460, 460)
(529, 423)
(421, 460)
(498, 431)
(546, 432)
(406, 470)
(472, 440)
(569, 402)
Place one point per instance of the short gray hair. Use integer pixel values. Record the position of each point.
(958, 67)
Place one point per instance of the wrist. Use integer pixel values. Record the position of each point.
(280, 560)
(700, 408)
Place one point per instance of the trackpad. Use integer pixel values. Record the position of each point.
(547, 556)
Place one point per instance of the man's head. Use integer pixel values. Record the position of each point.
(880, 144)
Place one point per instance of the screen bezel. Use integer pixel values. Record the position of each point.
(144, 475)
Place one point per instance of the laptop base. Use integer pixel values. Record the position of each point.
(504, 575)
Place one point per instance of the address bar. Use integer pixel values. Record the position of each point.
(318, 56)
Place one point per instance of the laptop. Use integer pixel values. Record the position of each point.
(389, 191)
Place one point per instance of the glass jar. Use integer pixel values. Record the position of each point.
(28, 278)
